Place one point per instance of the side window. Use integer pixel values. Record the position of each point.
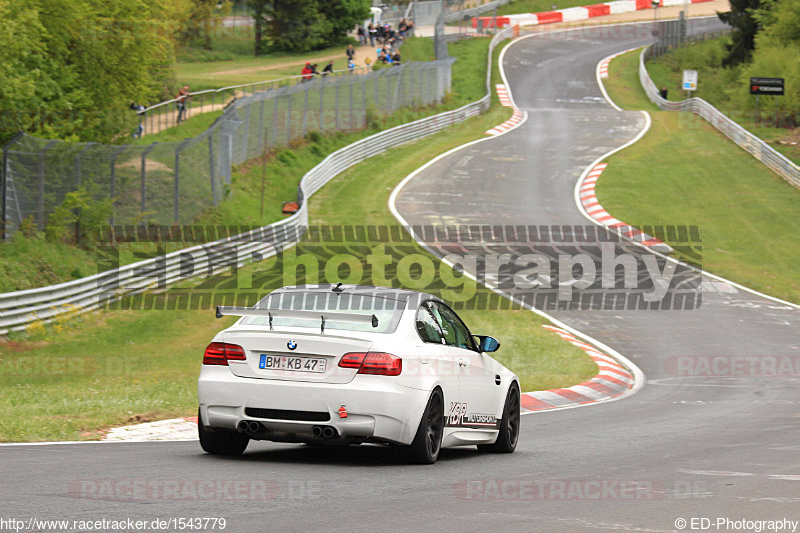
(455, 331)
(428, 329)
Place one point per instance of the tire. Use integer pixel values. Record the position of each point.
(221, 442)
(509, 425)
(427, 443)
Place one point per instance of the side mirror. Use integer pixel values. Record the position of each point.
(487, 343)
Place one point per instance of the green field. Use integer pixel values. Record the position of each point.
(684, 172)
(721, 87)
(72, 379)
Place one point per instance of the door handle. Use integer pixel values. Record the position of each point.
(462, 362)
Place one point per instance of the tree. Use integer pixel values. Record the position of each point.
(304, 25)
(259, 8)
(298, 25)
(203, 19)
(71, 67)
(746, 26)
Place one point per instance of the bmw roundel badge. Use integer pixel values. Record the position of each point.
(291, 345)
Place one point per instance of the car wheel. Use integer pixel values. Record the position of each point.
(428, 441)
(509, 426)
(221, 442)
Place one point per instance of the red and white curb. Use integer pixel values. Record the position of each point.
(509, 124)
(502, 94)
(599, 214)
(573, 14)
(613, 380)
(516, 118)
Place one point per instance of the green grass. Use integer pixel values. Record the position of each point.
(73, 378)
(201, 73)
(701, 178)
(196, 124)
(623, 83)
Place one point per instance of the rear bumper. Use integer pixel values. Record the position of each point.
(377, 407)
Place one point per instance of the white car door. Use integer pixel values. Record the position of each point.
(477, 382)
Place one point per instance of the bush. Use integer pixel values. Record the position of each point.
(79, 217)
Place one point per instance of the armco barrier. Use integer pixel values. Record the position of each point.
(746, 140)
(21, 308)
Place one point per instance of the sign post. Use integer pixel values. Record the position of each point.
(768, 86)
(689, 81)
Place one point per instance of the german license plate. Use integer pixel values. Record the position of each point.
(292, 364)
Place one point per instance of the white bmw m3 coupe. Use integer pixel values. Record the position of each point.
(355, 364)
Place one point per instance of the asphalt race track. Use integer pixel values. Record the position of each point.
(683, 447)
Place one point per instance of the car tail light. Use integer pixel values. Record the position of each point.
(219, 353)
(352, 360)
(375, 363)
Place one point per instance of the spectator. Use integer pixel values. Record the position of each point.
(362, 38)
(314, 71)
(663, 92)
(182, 98)
(328, 68)
(410, 27)
(351, 54)
(306, 73)
(139, 108)
(373, 33)
(351, 65)
(396, 57)
(382, 57)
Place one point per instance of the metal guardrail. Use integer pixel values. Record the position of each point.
(21, 308)
(736, 133)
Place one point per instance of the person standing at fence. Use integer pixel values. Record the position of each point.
(372, 34)
(183, 96)
(328, 68)
(351, 53)
(663, 92)
(139, 108)
(306, 72)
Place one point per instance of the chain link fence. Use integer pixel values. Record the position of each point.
(173, 183)
(21, 308)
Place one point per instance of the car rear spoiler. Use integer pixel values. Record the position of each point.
(324, 316)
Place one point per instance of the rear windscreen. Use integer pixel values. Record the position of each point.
(386, 310)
